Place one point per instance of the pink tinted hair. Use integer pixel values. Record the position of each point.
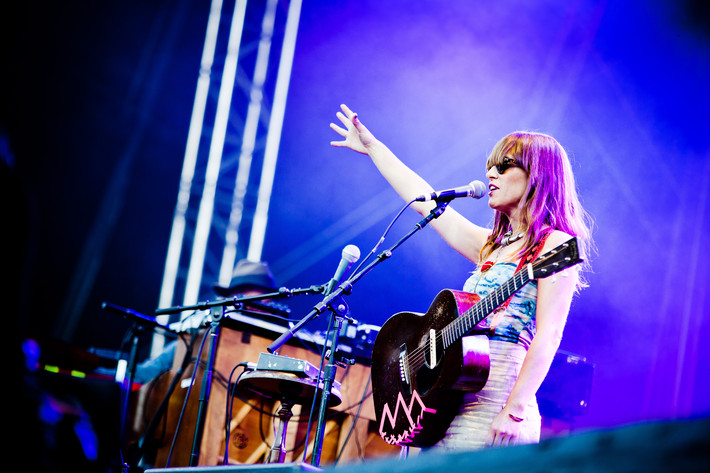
(550, 199)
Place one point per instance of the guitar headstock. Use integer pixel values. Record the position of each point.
(557, 259)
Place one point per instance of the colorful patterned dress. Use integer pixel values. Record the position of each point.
(512, 329)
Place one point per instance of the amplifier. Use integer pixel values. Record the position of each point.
(566, 390)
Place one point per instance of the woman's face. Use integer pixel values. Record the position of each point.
(507, 185)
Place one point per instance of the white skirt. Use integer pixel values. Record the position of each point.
(469, 429)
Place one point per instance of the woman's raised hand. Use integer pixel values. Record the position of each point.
(357, 137)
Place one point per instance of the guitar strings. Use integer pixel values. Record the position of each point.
(417, 357)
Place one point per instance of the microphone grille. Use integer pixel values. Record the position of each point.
(479, 189)
(351, 253)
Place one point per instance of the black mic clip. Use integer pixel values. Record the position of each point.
(475, 189)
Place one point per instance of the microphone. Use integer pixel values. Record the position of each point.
(475, 189)
(137, 317)
(351, 254)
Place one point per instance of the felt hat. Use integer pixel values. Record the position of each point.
(248, 274)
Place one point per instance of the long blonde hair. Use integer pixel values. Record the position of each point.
(550, 199)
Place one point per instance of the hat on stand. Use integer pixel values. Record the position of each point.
(248, 274)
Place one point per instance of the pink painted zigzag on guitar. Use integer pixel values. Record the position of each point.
(414, 425)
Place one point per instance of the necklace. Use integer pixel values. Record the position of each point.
(508, 238)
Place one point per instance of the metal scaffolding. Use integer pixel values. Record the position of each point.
(232, 146)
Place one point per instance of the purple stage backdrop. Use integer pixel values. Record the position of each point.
(102, 103)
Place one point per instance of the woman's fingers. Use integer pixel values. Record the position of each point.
(356, 136)
(501, 440)
(358, 124)
(338, 130)
(348, 113)
(341, 131)
(351, 118)
(344, 120)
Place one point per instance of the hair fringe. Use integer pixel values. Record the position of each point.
(551, 199)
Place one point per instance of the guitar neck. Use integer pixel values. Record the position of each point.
(469, 319)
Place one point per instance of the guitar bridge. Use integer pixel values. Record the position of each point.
(432, 348)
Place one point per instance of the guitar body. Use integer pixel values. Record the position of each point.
(417, 385)
(421, 363)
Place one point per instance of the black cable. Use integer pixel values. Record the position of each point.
(325, 344)
(315, 395)
(233, 393)
(122, 346)
(355, 419)
(382, 238)
(228, 409)
(187, 397)
(153, 382)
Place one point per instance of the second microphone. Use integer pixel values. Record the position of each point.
(350, 255)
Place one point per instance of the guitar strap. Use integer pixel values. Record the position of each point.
(530, 256)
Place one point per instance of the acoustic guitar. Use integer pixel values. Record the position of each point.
(422, 364)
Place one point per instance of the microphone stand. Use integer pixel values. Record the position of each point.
(146, 440)
(339, 309)
(217, 314)
(141, 321)
(236, 301)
